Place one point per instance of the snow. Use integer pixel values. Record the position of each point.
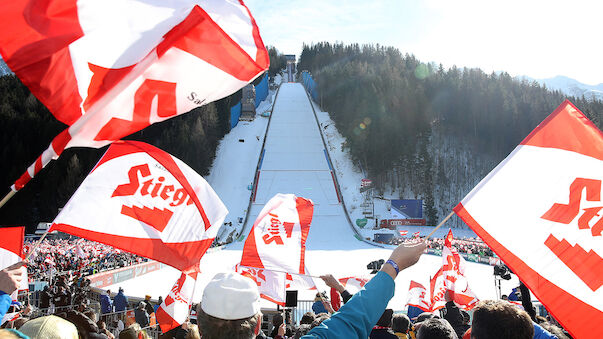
(294, 161)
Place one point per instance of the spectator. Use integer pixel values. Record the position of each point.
(454, 315)
(230, 308)
(10, 280)
(336, 285)
(318, 305)
(149, 306)
(307, 318)
(382, 329)
(500, 319)
(159, 302)
(45, 297)
(435, 328)
(277, 320)
(134, 331)
(105, 301)
(120, 301)
(141, 315)
(400, 325)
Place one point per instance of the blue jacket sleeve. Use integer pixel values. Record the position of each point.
(5, 302)
(541, 333)
(357, 317)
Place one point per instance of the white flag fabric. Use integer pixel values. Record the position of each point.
(437, 289)
(271, 284)
(277, 240)
(11, 251)
(110, 68)
(176, 306)
(143, 200)
(453, 270)
(353, 284)
(418, 297)
(540, 212)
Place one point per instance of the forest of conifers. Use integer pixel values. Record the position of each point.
(27, 128)
(420, 130)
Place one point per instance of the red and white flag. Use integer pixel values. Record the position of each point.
(453, 270)
(271, 284)
(175, 308)
(11, 252)
(403, 233)
(277, 240)
(417, 296)
(108, 69)
(437, 289)
(550, 231)
(416, 234)
(145, 201)
(353, 284)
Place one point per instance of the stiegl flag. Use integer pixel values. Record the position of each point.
(141, 199)
(541, 212)
(110, 68)
(417, 296)
(453, 271)
(175, 308)
(276, 245)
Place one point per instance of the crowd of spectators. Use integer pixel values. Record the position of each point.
(466, 246)
(74, 256)
(230, 309)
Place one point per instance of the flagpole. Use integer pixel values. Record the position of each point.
(36, 245)
(269, 269)
(7, 197)
(440, 225)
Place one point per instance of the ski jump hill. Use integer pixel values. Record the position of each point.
(294, 160)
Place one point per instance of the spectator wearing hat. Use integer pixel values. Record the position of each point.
(141, 315)
(49, 327)
(120, 301)
(230, 308)
(149, 305)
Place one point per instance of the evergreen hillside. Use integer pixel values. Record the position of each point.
(422, 131)
(27, 129)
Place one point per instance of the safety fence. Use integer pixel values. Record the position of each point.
(310, 84)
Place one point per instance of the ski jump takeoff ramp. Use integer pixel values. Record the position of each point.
(294, 160)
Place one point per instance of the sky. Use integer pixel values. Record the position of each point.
(539, 39)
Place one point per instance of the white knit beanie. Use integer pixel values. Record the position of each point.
(231, 296)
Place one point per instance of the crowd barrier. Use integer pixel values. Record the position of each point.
(108, 278)
(492, 261)
(261, 90)
(310, 85)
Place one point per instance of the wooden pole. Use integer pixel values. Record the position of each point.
(36, 245)
(440, 225)
(268, 269)
(7, 197)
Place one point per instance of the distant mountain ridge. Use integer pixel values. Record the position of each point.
(571, 87)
